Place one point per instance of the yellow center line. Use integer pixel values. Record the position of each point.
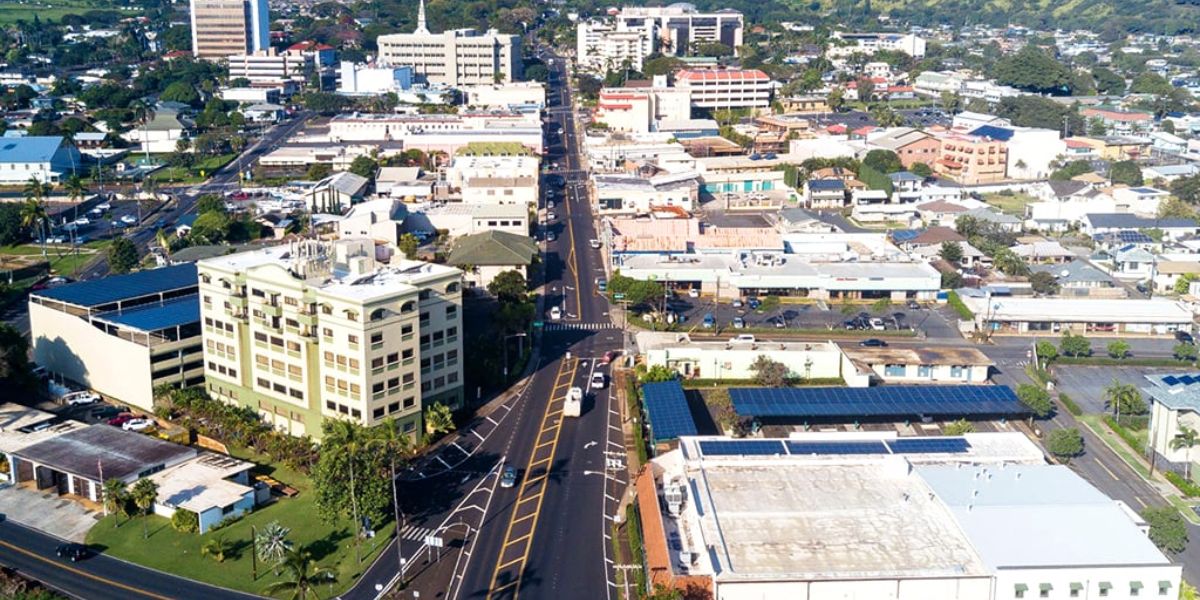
(82, 573)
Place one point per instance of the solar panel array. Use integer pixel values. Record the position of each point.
(668, 412)
(954, 400)
(1125, 236)
(120, 287)
(940, 445)
(1181, 379)
(153, 317)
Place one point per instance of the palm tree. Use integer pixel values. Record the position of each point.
(390, 439)
(144, 493)
(144, 112)
(272, 544)
(1118, 396)
(33, 216)
(114, 499)
(215, 548)
(349, 438)
(302, 575)
(1187, 438)
(75, 188)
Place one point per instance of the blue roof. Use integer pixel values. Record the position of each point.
(904, 235)
(159, 315)
(188, 220)
(1146, 190)
(29, 149)
(122, 287)
(827, 185)
(905, 176)
(993, 132)
(951, 400)
(772, 447)
(667, 410)
(1175, 390)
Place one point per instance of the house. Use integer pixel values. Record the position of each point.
(930, 236)
(1143, 200)
(825, 193)
(485, 255)
(1001, 221)
(161, 133)
(906, 186)
(971, 256)
(381, 220)
(798, 220)
(911, 145)
(927, 365)
(1173, 229)
(1076, 277)
(1168, 272)
(404, 182)
(264, 113)
(49, 159)
(337, 192)
(940, 212)
(1169, 173)
(1119, 122)
(183, 225)
(1132, 262)
(1043, 252)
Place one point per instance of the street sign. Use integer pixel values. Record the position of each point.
(434, 541)
(618, 296)
(538, 324)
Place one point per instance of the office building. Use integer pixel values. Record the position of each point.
(874, 515)
(121, 336)
(870, 43)
(681, 28)
(358, 79)
(313, 330)
(726, 88)
(269, 66)
(602, 46)
(640, 109)
(455, 58)
(222, 28)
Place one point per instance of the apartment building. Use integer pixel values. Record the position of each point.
(726, 88)
(313, 330)
(870, 43)
(638, 109)
(680, 27)
(972, 159)
(603, 45)
(454, 58)
(494, 180)
(222, 28)
(445, 133)
(269, 66)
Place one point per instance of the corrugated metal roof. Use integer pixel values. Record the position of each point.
(121, 287)
(153, 317)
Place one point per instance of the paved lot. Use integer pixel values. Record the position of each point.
(816, 315)
(47, 511)
(1085, 385)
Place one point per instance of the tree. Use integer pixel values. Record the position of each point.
(1009, 263)
(1167, 529)
(33, 212)
(180, 91)
(1184, 351)
(1126, 172)
(115, 499)
(1046, 351)
(122, 255)
(438, 419)
(302, 576)
(75, 188)
(660, 65)
(210, 203)
(656, 374)
(769, 373)
(144, 494)
(921, 169)
(397, 446)
(1123, 398)
(408, 245)
(1044, 283)
(271, 543)
(1174, 208)
(537, 72)
(1187, 189)
(1186, 439)
(364, 166)
(1074, 345)
(209, 228)
(1184, 282)
(509, 287)
(318, 171)
(1032, 70)
(714, 50)
(950, 102)
(886, 116)
(215, 548)
(951, 252)
(346, 479)
(958, 427)
(1118, 349)
(1150, 83)
(866, 90)
(12, 226)
(1065, 444)
(836, 99)
(1107, 82)
(1074, 168)
(1036, 398)
(884, 161)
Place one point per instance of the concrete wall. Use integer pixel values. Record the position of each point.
(1060, 580)
(212, 517)
(733, 361)
(937, 374)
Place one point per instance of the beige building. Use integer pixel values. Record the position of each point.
(314, 330)
(222, 28)
(455, 58)
(269, 66)
(121, 336)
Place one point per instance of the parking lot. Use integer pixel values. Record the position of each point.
(1085, 385)
(103, 221)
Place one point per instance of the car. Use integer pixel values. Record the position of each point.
(753, 303)
(103, 206)
(549, 204)
(1184, 337)
(709, 322)
(555, 313)
(56, 239)
(550, 236)
(509, 477)
(129, 219)
(96, 212)
(550, 216)
(873, 343)
(104, 412)
(72, 551)
(120, 419)
(779, 322)
(601, 284)
(608, 357)
(594, 244)
(598, 381)
(118, 224)
(140, 424)
(81, 221)
(739, 323)
(743, 338)
(81, 239)
(737, 303)
(80, 398)
(877, 324)
(914, 305)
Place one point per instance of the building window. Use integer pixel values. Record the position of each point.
(925, 371)
(377, 413)
(893, 370)
(451, 312)
(956, 371)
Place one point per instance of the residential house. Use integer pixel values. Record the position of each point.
(825, 193)
(264, 113)
(971, 256)
(483, 256)
(1043, 252)
(1078, 277)
(798, 220)
(911, 145)
(336, 193)
(1001, 221)
(1143, 200)
(1168, 272)
(161, 134)
(940, 212)
(1133, 263)
(1173, 229)
(1169, 173)
(1120, 122)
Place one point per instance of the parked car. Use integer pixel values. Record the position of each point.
(608, 357)
(709, 321)
(914, 305)
(877, 324)
(594, 244)
(551, 216)
(737, 303)
(129, 220)
(550, 237)
(779, 322)
(693, 292)
(739, 323)
(137, 425)
(80, 398)
(81, 221)
(601, 284)
(753, 303)
(549, 204)
(743, 338)
(509, 477)
(120, 419)
(72, 552)
(1184, 337)
(598, 381)
(103, 206)
(873, 343)
(104, 412)
(555, 313)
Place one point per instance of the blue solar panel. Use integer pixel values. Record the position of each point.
(878, 401)
(667, 411)
(996, 133)
(741, 447)
(928, 445)
(152, 317)
(1170, 380)
(835, 447)
(121, 287)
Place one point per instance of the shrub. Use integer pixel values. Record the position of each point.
(1069, 404)
(185, 521)
(1124, 433)
(1188, 488)
(956, 303)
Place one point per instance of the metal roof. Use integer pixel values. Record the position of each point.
(993, 132)
(123, 287)
(160, 315)
(120, 454)
(29, 149)
(667, 410)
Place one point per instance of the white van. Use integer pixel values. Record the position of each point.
(555, 313)
(573, 405)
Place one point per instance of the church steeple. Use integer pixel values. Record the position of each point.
(421, 28)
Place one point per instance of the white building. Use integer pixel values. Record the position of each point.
(873, 515)
(495, 179)
(251, 95)
(633, 194)
(357, 79)
(602, 46)
(443, 133)
(459, 218)
(505, 96)
(49, 159)
(637, 110)
(870, 43)
(934, 83)
(161, 134)
(1092, 317)
(681, 28)
(726, 88)
(1032, 151)
(455, 58)
(269, 66)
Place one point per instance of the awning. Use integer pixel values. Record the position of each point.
(1135, 585)
(1164, 585)
(1021, 588)
(1045, 587)
(1104, 585)
(1076, 586)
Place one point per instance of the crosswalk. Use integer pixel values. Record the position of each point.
(586, 326)
(414, 533)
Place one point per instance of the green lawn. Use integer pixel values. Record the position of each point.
(49, 10)
(179, 553)
(1012, 205)
(63, 259)
(192, 174)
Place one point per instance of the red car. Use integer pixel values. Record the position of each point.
(608, 357)
(120, 419)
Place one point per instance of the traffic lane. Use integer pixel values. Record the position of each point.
(98, 577)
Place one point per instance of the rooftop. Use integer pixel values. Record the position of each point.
(29, 149)
(121, 454)
(945, 355)
(15, 416)
(116, 288)
(200, 484)
(156, 316)
(493, 247)
(1079, 310)
(1175, 390)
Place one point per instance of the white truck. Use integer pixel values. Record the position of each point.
(573, 406)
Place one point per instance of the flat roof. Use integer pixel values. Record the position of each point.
(15, 416)
(1079, 310)
(1175, 390)
(160, 315)
(120, 454)
(890, 401)
(115, 288)
(200, 484)
(944, 355)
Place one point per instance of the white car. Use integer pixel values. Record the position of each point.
(550, 237)
(555, 313)
(56, 239)
(744, 338)
(877, 324)
(137, 424)
(594, 244)
(103, 206)
(82, 221)
(693, 293)
(598, 381)
(129, 219)
(551, 216)
(80, 398)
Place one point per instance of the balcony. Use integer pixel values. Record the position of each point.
(307, 318)
(237, 301)
(272, 310)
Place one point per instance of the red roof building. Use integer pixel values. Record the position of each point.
(726, 88)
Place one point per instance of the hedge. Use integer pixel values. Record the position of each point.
(1069, 404)
(1189, 489)
(1129, 438)
(1105, 361)
(956, 303)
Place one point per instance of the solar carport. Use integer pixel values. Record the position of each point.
(950, 401)
(667, 412)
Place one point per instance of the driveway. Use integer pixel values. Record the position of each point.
(1085, 385)
(47, 512)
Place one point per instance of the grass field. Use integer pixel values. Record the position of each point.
(1010, 204)
(49, 10)
(168, 550)
(63, 259)
(193, 174)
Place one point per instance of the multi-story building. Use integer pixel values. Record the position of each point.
(638, 109)
(911, 145)
(870, 43)
(269, 66)
(680, 27)
(972, 159)
(726, 88)
(601, 46)
(222, 28)
(315, 330)
(446, 133)
(454, 58)
(495, 179)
